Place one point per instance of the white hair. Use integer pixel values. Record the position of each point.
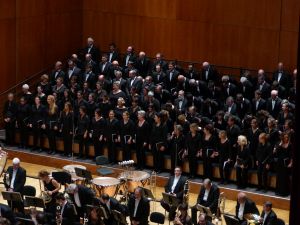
(58, 63)
(243, 79)
(150, 93)
(71, 188)
(90, 39)
(274, 92)
(10, 95)
(143, 53)
(25, 86)
(16, 161)
(142, 112)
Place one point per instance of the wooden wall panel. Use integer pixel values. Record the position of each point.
(290, 15)
(7, 9)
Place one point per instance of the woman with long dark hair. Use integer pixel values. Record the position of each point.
(66, 121)
(92, 106)
(252, 138)
(97, 133)
(83, 125)
(126, 136)
(95, 217)
(111, 136)
(22, 116)
(105, 105)
(133, 110)
(41, 94)
(67, 98)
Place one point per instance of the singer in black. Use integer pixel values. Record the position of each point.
(233, 131)
(177, 146)
(141, 138)
(36, 121)
(10, 108)
(126, 135)
(22, 115)
(158, 142)
(272, 131)
(207, 150)
(192, 148)
(50, 122)
(264, 155)
(67, 126)
(243, 155)
(83, 126)
(111, 136)
(67, 214)
(97, 133)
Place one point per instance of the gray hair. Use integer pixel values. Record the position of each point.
(274, 92)
(90, 39)
(58, 63)
(192, 81)
(143, 53)
(178, 127)
(10, 95)
(230, 98)
(227, 115)
(133, 71)
(16, 161)
(119, 72)
(207, 182)
(25, 86)
(225, 78)
(150, 93)
(181, 91)
(71, 188)
(142, 112)
(243, 79)
(117, 83)
(285, 101)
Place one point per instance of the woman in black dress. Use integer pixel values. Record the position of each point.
(272, 131)
(120, 108)
(225, 155)
(36, 122)
(67, 126)
(158, 142)
(284, 150)
(184, 123)
(22, 116)
(141, 139)
(92, 106)
(111, 136)
(97, 133)
(27, 95)
(83, 126)
(85, 90)
(252, 137)
(284, 115)
(126, 136)
(177, 144)
(242, 162)
(51, 186)
(50, 122)
(207, 150)
(144, 95)
(99, 91)
(9, 113)
(219, 122)
(105, 105)
(41, 94)
(133, 110)
(115, 94)
(247, 124)
(133, 94)
(46, 86)
(59, 87)
(67, 98)
(150, 116)
(288, 128)
(74, 87)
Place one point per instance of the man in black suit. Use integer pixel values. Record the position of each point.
(214, 93)
(282, 76)
(113, 55)
(129, 56)
(274, 104)
(244, 206)
(209, 73)
(245, 88)
(123, 82)
(209, 108)
(8, 213)
(90, 77)
(162, 95)
(263, 86)
(104, 65)
(113, 70)
(191, 73)
(174, 186)
(163, 64)
(203, 220)
(208, 197)
(128, 69)
(258, 103)
(67, 214)
(228, 89)
(16, 182)
(249, 77)
(269, 216)
(154, 101)
(261, 72)
(133, 81)
(230, 106)
(139, 208)
(109, 204)
(76, 61)
(180, 103)
(182, 84)
(293, 78)
(198, 88)
(81, 196)
(193, 101)
(281, 90)
(92, 49)
(190, 116)
(243, 106)
(180, 70)
(143, 65)
(88, 60)
(72, 71)
(171, 78)
(159, 76)
(56, 73)
(148, 82)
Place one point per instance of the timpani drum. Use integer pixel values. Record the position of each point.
(106, 185)
(71, 168)
(75, 179)
(138, 178)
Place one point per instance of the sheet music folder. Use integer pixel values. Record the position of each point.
(12, 196)
(35, 202)
(204, 210)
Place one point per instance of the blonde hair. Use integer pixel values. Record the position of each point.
(243, 140)
(44, 173)
(121, 100)
(45, 76)
(52, 107)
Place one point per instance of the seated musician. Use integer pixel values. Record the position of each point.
(109, 204)
(81, 196)
(207, 197)
(203, 220)
(67, 213)
(8, 213)
(41, 219)
(183, 218)
(174, 186)
(95, 217)
(139, 208)
(269, 216)
(244, 206)
(4, 221)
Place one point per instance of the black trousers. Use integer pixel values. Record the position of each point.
(83, 141)
(23, 129)
(222, 171)
(67, 139)
(51, 137)
(51, 207)
(140, 155)
(172, 209)
(10, 131)
(262, 171)
(158, 158)
(193, 164)
(207, 167)
(98, 149)
(241, 177)
(126, 150)
(111, 149)
(38, 132)
(17, 205)
(175, 161)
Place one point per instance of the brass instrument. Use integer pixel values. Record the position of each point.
(186, 192)
(221, 209)
(67, 197)
(85, 220)
(44, 194)
(58, 213)
(255, 219)
(6, 175)
(178, 214)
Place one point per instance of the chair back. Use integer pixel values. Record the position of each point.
(101, 160)
(29, 190)
(280, 222)
(157, 217)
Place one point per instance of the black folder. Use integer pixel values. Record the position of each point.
(159, 145)
(52, 124)
(26, 121)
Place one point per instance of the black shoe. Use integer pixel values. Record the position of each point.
(84, 158)
(225, 182)
(258, 189)
(25, 146)
(78, 157)
(53, 153)
(94, 160)
(21, 146)
(12, 144)
(40, 150)
(112, 163)
(142, 168)
(64, 154)
(265, 190)
(50, 152)
(70, 155)
(32, 149)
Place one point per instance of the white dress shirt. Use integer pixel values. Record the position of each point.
(56, 73)
(206, 74)
(171, 74)
(279, 75)
(257, 103)
(132, 80)
(108, 205)
(77, 200)
(87, 76)
(12, 182)
(265, 216)
(127, 59)
(176, 179)
(241, 211)
(261, 86)
(103, 67)
(90, 49)
(70, 72)
(136, 205)
(110, 56)
(206, 195)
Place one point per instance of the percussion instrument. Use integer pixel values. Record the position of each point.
(106, 185)
(139, 178)
(71, 168)
(74, 178)
(77, 180)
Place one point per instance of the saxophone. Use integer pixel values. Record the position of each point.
(186, 192)
(221, 209)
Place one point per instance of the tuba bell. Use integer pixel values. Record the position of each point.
(253, 218)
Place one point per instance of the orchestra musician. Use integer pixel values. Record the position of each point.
(203, 220)
(244, 206)
(67, 213)
(183, 218)
(95, 217)
(269, 216)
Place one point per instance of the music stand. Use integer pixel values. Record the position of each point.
(35, 202)
(12, 196)
(62, 177)
(171, 200)
(83, 173)
(147, 193)
(204, 210)
(119, 217)
(231, 221)
(25, 221)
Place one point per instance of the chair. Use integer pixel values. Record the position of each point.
(280, 222)
(157, 217)
(62, 177)
(102, 160)
(29, 191)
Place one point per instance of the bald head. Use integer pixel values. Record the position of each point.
(181, 78)
(142, 55)
(242, 197)
(205, 65)
(261, 71)
(74, 57)
(280, 66)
